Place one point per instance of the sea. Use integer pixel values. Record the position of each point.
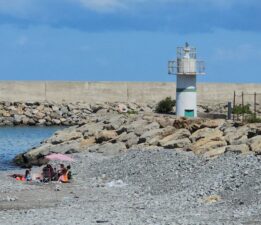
(15, 140)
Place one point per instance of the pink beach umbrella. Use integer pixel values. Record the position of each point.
(59, 157)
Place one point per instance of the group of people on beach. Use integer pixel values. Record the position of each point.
(63, 174)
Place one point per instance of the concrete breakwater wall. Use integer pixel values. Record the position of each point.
(141, 92)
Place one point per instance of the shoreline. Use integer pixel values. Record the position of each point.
(155, 187)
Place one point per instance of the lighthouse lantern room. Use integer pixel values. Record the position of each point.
(186, 67)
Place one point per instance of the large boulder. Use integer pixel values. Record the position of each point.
(90, 129)
(85, 143)
(180, 143)
(206, 141)
(213, 153)
(255, 144)
(164, 121)
(105, 135)
(242, 148)
(130, 139)
(65, 135)
(240, 135)
(152, 137)
(136, 124)
(178, 134)
(208, 133)
(140, 130)
(213, 123)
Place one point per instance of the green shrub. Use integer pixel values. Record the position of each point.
(253, 119)
(239, 109)
(165, 106)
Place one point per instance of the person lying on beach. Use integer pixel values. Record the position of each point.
(26, 177)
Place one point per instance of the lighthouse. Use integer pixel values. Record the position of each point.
(186, 68)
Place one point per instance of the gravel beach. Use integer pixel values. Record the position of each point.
(141, 187)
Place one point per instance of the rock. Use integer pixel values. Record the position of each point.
(6, 114)
(96, 108)
(164, 122)
(141, 129)
(31, 122)
(122, 108)
(106, 135)
(236, 137)
(213, 123)
(64, 135)
(206, 133)
(56, 121)
(153, 137)
(41, 121)
(255, 144)
(215, 152)
(55, 108)
(112, 149)
(149, 135)
(39, 115)
(18, 119)
(116, 121)
(242, 148)
(90, 129)
(178, 134)
(180, 143)
(211, 199)
(211, 140)
(85, 143)
(130, 139)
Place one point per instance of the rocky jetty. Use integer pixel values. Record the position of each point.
(51, 113)
(110, 133)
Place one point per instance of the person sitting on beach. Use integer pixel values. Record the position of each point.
(69, 172)
(27, 175)
(62, 170)
(63, 177)
(55, 176)
(47, 173)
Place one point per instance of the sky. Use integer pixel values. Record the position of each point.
(128, 40)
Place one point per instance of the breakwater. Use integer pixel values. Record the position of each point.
(57, 114)
(93, 92)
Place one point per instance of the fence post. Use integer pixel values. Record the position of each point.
(229, 110)
(234, 104)
(255, 104)
(242, 106)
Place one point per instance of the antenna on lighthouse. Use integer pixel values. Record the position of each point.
(186, 67)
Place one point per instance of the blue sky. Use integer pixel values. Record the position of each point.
(128, 40)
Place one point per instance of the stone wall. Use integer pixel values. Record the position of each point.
(59, 91)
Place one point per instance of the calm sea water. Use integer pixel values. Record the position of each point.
(15, 140)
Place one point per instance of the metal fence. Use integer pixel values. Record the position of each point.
(253, 100)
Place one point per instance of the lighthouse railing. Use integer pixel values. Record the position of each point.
(175, 68)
